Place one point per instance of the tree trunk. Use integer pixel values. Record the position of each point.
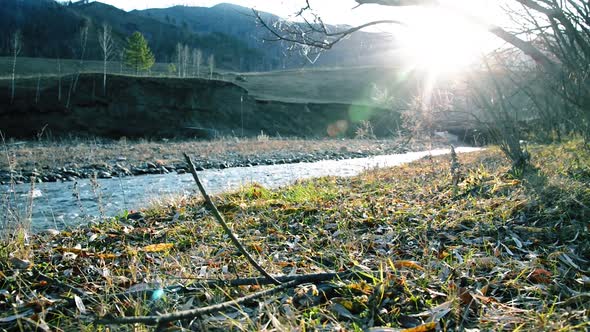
(104, 78)
(13, 74)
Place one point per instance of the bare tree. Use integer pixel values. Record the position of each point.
(16, 45)
(211, 63)
(197, 60)
(58, 78)
(313, 35)
(83, 41)
(107, 45)
(186, 53)
(179, 59)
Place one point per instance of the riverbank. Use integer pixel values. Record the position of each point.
(67, 160)
(431, 250)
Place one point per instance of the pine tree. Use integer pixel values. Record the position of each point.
(137, 54)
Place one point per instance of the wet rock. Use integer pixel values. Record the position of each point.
(139, 171)
(104, 175)
(136, 216)
(151, 165)
(122, 170)
(180, 171)
(71, 173)
(33, 173)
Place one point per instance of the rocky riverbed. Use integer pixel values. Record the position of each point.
(66, 161)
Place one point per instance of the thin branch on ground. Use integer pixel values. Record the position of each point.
(224, 225)
(304, 278)
(194, 313)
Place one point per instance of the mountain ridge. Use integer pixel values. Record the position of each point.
(51, 29)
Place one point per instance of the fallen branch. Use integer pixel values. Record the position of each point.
(300, 279)
(224, 225)
(193, 313)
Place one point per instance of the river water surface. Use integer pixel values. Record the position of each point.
(64, 204)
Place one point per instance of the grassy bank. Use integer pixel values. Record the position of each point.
(492, 252)
(347, 85)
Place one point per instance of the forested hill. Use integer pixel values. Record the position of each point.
(51, 29)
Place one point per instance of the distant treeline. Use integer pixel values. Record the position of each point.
(52, 30)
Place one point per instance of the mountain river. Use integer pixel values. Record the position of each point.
(59, 205)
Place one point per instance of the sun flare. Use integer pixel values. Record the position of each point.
(439, 41)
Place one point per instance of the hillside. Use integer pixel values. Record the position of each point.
(361, 48)
(51, 30)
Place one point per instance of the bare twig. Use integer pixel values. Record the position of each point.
(304, 278)
(193, 313)
(315, 35)
(224, 225)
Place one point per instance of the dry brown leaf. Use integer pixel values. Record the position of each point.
(106, 256)
(408, 264)
(539, 276)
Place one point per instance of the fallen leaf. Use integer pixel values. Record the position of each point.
(422, 328)
(158, 247)
(80, 305)
(408, 264)
(106, 256)
(539, 276)
(341, 311)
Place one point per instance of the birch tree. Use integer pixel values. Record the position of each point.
(211, 65)
(186, 54)
(83, 42)
(16, 45)
(107, 45)
(179, 59)
(197, 60)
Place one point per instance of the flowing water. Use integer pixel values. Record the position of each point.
(63, 204)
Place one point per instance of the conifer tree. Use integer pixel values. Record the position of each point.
(137, 54)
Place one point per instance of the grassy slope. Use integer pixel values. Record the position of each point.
(354, 85)
(494, 252)
(33, 67)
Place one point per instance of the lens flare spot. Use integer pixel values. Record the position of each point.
(337, 128)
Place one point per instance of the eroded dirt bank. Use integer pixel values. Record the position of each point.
(170, 107)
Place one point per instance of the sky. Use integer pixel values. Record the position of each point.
(431, 37)
(331, 11)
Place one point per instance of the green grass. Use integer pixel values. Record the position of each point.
(494, 253)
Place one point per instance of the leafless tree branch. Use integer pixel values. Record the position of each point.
(224, 225)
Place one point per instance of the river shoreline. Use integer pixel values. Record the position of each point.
(28, 161)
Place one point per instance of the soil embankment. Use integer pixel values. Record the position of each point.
(170, 107)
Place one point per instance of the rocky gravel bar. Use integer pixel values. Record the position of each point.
(165, 157)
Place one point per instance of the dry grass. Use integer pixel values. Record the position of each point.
(492, 252)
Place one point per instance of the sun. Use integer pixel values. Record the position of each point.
(440, 41)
